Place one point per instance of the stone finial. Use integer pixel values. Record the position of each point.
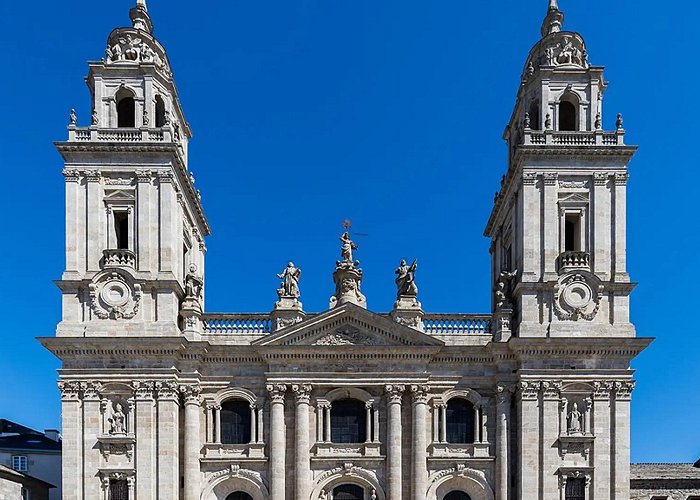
(619, 123)
(554, 19)
(406, 279)
(73, 117)
(407, 310)
(140, 18)
(288, 309)
(347, 276)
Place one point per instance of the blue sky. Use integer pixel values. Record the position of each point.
(387, 113)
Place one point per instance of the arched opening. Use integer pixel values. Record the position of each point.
(348, 421)
(457, 495)
(460, 421)
(348, 492)
(239, 495)
(575, 489)
(567, 116)
(235, 422)
(534, 113)
(126, 109)
(160, 112)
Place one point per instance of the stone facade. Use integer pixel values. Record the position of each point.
(665, 481)
(530, 401)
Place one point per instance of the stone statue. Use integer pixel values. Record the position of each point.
(73, 117)
(504, 289)
(347, 247)
(193, 284)
(574, 426)
(117, 421)
(290, 281)
(405, 279)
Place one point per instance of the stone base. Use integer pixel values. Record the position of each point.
(408, 312)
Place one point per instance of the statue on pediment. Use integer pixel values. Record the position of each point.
(347, 247)
(117, 421)
(574, 426)
(290, 281)
(406, 279)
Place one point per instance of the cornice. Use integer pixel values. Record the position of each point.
(586, 347)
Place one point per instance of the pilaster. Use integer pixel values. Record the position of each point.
(503, 401)
(602, 448)
(192, 473)
(419, 464)
(277, 441)
(529, 439)
(168, 432)
(72, 454)
(394, 395)
(303, 472)
(92, 423)
(145, 429)
(621, 441)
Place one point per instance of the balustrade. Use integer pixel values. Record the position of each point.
(119, 134)
(118, 258)
(242, 324)
(574, 260)
(582, 138)
(457, 324)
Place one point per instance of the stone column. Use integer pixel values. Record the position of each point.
(217, 429)
(302, 466)
(72, 463)
(253, 424)
(502, 431)
(210, 422)
(394, 394)
(277, 441)
(145, 430)
(261, 429)
(484, 421)
(320, 411)
(368, 422)
(375, 412)
(168, 439)
(327, 423)
(443, 419)
(419, 457)
(477, 424)
(192, 472)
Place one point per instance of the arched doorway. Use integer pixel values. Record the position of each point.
(239, 495)
(348, 492)
(457, 495)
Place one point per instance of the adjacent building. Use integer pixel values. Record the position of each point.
(163, 400)
(30, 462)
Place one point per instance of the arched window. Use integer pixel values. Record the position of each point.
(235, 422)
(348, 492)
(567, 116)
(348, 421)
(457, 495)
(239, 495)
(534, 115)
(460, 421)
(160, 112)
(126, 109)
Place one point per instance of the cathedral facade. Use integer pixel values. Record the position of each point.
(162, 400)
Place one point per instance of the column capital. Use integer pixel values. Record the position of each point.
(92, 391)
(166, 389)
(529, 389)
(394, 393)
(70, 391)
(143, 390)
(302, 392)
(277, 392)
(602, 389)
(419, 394)
(551, 389)
(190, 393)
(623, 390)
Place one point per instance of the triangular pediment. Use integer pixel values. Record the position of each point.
(346, 326)
(117, 195)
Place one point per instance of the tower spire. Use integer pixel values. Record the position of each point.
(553, 20)
(140, 18)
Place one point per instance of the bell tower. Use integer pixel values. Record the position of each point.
(134, 222)
(558, 224)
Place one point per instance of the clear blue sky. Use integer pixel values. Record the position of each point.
(388, 113)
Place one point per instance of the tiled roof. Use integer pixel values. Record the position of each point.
(664, 471)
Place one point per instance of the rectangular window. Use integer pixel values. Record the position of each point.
(121, 230)
(575, 489)
(572, 233)
(19, 463)
(118, 489)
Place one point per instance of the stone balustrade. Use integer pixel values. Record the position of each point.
(261, 324)
(94, 134)
(574, 260)
(242, 324)
(457, 324)
(585, 138)
(118, 258)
